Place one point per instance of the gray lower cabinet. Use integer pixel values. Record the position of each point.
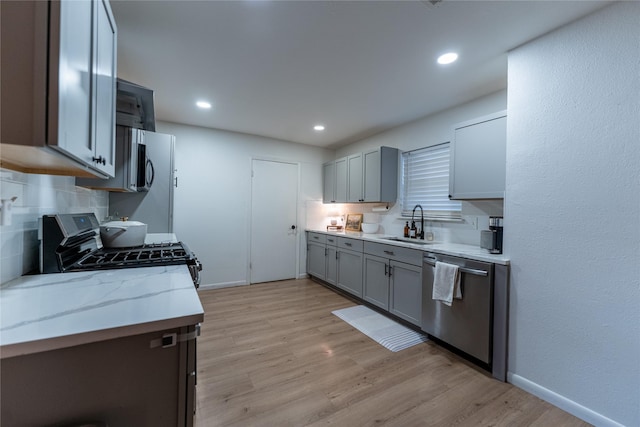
(121, 382)
(350, 271)
(376, 281)
(322, 257)
(406, 291)
(393, 280)
(331, 270)
(349, 265)
(316, 259)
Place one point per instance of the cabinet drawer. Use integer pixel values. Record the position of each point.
(398, 253)
(317, 237)
(332, 240)
(351, 244)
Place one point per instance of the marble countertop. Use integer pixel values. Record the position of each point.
(160, 238)
(454, 249)
(51, 311)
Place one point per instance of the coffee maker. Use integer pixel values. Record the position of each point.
(491, 239)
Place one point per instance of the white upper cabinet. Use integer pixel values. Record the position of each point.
(58, 87)
(478, 158)
(371, 176)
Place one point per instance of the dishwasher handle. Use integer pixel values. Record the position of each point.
(432, 261)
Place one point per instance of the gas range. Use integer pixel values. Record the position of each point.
(71, 242)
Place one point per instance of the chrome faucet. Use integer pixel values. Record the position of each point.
(421, 219)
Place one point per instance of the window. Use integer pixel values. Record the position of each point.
(425, 182)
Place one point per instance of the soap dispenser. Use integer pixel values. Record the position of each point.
(406, 229)
(413, 233)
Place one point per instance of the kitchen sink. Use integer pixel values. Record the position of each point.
(406, 240)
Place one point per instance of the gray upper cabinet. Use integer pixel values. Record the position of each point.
(478, 158)
(341, 180)
(381, 175)
(354, 172)
(58, 101)
(335, 181)
(329, 182)
(371, 176)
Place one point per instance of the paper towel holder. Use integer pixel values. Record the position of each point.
(5, 210)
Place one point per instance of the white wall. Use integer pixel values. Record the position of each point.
(38, 195)
(431, 130)
(572, 216)
(212, 204)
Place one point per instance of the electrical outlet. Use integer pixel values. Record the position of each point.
(472, 221)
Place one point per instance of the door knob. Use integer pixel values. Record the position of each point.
(293, 227)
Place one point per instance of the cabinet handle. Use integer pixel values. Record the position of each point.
(316, 237)
(385, 269)
(347, 244)
(388, 252)
(390, 269)
(99, 160)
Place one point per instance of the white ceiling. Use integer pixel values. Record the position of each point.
(276, 68)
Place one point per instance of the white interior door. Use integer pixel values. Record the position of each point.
(274, 229)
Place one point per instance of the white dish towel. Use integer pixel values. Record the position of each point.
(446, 283)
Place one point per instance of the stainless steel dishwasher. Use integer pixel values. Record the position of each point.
(467, 324)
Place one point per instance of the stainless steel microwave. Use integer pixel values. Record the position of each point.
(134, 169)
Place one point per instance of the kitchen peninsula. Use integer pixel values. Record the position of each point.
(118, 344)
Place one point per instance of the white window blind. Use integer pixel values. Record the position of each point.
(425, 178)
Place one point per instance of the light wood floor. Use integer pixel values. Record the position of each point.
(273, 355)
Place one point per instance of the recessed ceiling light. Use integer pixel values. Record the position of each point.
(203, 104)
(318, 128)
(447, 58)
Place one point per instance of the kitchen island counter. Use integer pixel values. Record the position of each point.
(52, 311)
(453, 249)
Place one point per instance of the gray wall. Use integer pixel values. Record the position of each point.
(572, 216)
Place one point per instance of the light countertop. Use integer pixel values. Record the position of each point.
(453, 249)
(51, 311)
(160, 238)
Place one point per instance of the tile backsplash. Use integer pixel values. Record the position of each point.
(38, 195)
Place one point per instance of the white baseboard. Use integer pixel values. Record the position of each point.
(222, 285)
(561, 402)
